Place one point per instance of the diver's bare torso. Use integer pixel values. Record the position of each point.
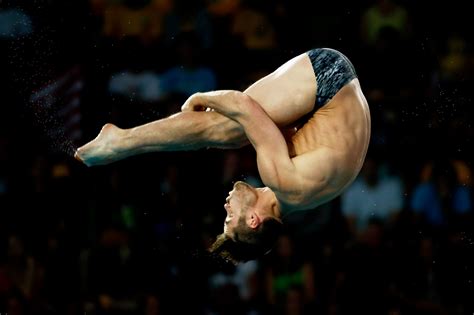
(337, 135)
(331, 144)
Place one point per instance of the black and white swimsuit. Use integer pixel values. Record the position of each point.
(333, 71)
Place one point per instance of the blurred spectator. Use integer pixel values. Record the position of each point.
(190, 74)
(254, 28)
(140, 19)
(441, 199)
(415, 276)
(374, 195)
(190, 17)
(14, 23)
(381, 15)
(186, 77)
(244, 278)
(287, 275)
(369, 264)
(223, 7)
(455, 61)
(144, 86)
(255, 39)
(387, 46)
(19, 277)
(294, 302)
(60, 280)
(226, 301)
(463, 171)
(455, 274)
(112, 275)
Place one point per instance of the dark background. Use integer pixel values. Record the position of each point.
(130, 237)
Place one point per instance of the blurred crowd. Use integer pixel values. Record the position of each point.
(130, 237)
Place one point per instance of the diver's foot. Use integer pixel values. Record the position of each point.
(104, 149)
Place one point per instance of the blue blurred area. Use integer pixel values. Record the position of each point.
(130, 237)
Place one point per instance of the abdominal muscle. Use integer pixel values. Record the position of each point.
(341, 128)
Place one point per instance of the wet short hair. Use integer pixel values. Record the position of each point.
(248, 243)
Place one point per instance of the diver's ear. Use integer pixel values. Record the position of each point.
(254, 220)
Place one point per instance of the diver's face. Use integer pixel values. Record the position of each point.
(240, 198)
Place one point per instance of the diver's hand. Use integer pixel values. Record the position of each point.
(226, 102)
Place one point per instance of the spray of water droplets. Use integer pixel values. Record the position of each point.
(53, 126)
(31, 60)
